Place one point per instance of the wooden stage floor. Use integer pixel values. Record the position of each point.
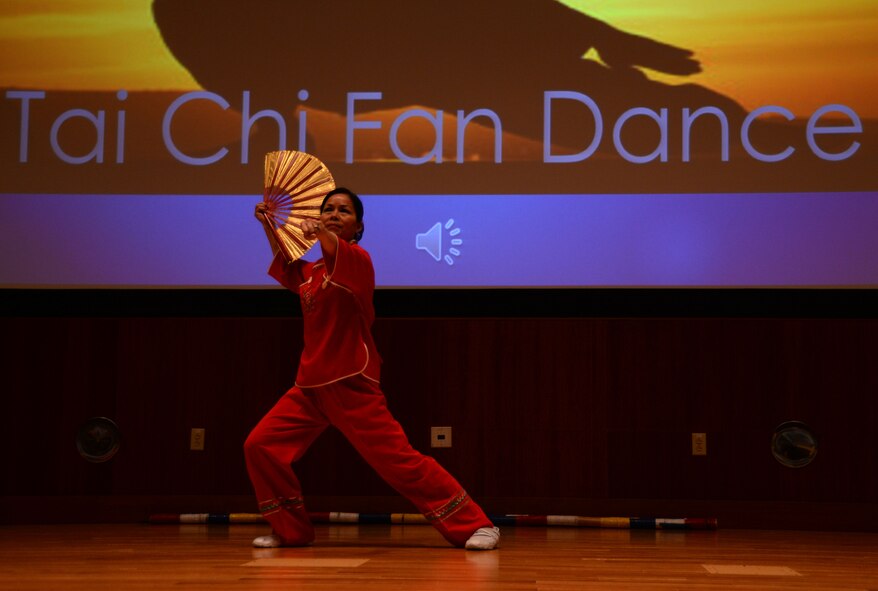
(383, 557)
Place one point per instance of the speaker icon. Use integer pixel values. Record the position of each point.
(431, 241)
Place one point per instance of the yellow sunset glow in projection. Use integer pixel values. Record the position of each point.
(800, 55)
(85, 44)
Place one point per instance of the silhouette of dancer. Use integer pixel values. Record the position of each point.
(455, 54)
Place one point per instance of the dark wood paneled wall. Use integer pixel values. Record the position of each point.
(594, 409)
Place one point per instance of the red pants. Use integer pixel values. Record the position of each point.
(356, 406)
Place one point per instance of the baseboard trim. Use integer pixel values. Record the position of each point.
(730, 514)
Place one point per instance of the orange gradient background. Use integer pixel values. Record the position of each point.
(800, 55)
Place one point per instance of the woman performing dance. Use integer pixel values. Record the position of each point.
(338, 384)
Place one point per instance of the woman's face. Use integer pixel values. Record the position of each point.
(340, 217)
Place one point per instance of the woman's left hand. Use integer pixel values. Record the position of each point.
(311, 228)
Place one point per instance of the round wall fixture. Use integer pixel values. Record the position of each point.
(98, 439)
(794, 444)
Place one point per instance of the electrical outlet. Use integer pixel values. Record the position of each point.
(440, 436)
(196, 440)
(699, 444)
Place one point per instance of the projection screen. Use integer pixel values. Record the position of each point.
(536, 144)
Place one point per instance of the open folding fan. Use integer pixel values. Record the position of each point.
(295, 185)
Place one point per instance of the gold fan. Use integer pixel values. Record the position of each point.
(295, 185)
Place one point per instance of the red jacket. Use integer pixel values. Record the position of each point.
(338, 313)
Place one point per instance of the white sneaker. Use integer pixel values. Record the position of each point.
(485, 538)
(271, 541)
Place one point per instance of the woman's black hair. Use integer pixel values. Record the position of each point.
(358, 206)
